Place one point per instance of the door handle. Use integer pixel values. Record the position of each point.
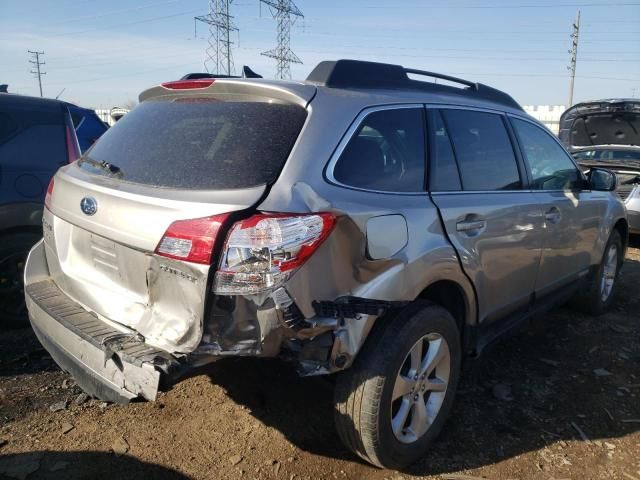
(470, 226)
(553, 215)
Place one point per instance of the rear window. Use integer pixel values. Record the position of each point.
(200, 144)
(31, 139)
(608, 155)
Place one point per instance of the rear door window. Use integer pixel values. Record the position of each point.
(483, 149)
(198, 143)
(386, 153)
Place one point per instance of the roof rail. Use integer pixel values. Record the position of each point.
(360, 74)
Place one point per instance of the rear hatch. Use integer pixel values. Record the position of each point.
(131, 229)
(601, 123)
(606, 133)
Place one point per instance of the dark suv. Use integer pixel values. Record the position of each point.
(36, 138)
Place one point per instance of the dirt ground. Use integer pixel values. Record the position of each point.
(566, 406)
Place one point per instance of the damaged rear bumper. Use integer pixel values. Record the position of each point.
(107, 363)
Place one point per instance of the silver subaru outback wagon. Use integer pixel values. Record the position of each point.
(366, 222)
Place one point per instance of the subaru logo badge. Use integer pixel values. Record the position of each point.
(89, 206)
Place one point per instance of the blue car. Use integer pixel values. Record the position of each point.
(87, 124)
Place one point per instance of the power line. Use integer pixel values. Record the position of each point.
(282, 10)
(219, 59)
(38, 72)
(114, 12)
(574, 56)
(120, 25)
(532, 5)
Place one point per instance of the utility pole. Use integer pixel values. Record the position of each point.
(574, 56)
(37, 63)
(219, 58)
(282, 10)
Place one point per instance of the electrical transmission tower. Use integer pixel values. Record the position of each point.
(219, 59)
(574, 56)
(282, 10)
(36, 61)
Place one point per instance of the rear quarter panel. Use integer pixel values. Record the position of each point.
(341, 266)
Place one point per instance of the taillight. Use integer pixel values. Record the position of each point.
(263, 251)
(73, 150)
(191, 240)
(188, 84)
(47, 197)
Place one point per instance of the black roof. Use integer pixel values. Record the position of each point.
(359, 74)
(24, 101)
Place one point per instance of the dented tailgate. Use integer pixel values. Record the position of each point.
(105, 261)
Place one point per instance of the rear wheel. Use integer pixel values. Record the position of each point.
(393, 402)
(601, 290)
(14, 249)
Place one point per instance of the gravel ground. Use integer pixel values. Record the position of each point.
(559, 400)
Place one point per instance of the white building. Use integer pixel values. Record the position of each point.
(547, 114)
(111, 115)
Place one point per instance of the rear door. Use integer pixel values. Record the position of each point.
(477, 180)
(573, 215)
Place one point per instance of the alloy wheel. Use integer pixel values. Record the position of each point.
(609, 272)
(420, 388)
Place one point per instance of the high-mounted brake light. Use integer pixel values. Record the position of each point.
(263, 251)
(191, 240)
(188, 84)
(47, 197)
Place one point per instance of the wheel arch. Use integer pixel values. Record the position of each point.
(461, 304)
(622, 226)
(20, 217)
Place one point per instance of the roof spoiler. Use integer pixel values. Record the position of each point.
(360, 74)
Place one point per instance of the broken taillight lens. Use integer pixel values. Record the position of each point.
(263, 251)
(191, 240)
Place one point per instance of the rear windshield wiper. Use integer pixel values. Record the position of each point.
(106, 166)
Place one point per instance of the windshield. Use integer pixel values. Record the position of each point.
(608, 155)
(198, 143)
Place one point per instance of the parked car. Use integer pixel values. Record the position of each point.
(36, 138)
(87, 124)
(606, 133)
(360, 223)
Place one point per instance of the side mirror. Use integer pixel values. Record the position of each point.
(602, 180)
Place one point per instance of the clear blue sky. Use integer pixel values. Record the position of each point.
(105, 53)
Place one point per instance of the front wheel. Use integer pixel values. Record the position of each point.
(393, 402)
(600, 292)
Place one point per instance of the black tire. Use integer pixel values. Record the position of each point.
(14, 248)
(363, 393)
(591, 301)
